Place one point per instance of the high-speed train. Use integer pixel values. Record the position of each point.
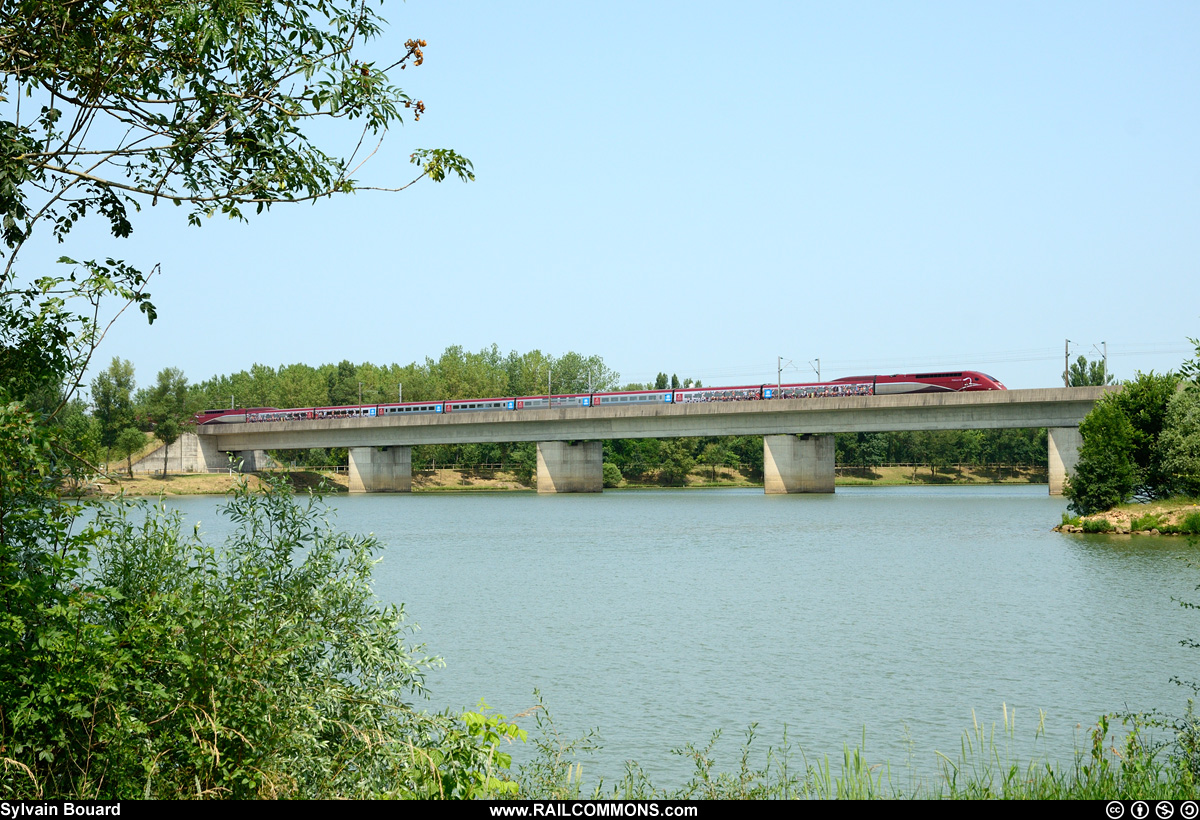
(944, 382)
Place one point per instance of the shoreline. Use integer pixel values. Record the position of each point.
(489, 481)
(1172, 516)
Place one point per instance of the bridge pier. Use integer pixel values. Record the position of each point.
(253, 460)
(570, 467)
(1062, 444)
(380, 469)
(798, 464)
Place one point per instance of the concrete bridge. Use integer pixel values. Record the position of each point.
(798, 446)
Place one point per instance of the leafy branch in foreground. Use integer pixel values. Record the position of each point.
(106, 107)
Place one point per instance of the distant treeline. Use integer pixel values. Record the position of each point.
(458, 374)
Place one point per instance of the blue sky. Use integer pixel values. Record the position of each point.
(702, 187)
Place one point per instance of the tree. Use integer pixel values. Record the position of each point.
(1189, 371)
(1106, 473)
(167, 431)
(714, 455)
(675, 462)
(1083, 373)
(1122, 455)
(166, 405)
(150, 670)
(112, 399)
(129, 441)
(1144, 402)
(168, 398)
(342, 382)
(1179, 443)
(115, 105)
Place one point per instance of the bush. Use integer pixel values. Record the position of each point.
(1150, 521)
(612, 475)
(1179, 444)
(1097, 525)
(1144, 403)
(1106, 474)
(264, 669)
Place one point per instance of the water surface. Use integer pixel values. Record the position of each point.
(904, 612)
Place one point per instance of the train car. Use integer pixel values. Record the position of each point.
(547, 402)
(821, 390)
(351, 411)
(410, 407)
(305, 414)
(630, 397)
(690, 395)
(477, 405)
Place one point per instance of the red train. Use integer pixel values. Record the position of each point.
(945, 382)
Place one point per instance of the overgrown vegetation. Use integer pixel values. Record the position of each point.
(154, 665)
(135, 660)
(1126, 759)
(1142, 443)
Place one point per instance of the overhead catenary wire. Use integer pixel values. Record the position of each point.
(758, 371)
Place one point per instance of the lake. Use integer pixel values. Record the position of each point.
(899, 615)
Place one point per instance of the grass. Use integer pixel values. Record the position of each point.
(1119, 764)
(1171, 516)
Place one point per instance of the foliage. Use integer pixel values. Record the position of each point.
(1083, 373)
(1144, 523)
(168, 399)
(167, 431)
(129, 441)
(109, 107)
(138, 662)
(1095, 525)
(554, 772)
(161, 667)
(612, 475)
(1120, 457)
(157, 99)
(1106, 473)
(1190, 370)
(675, 462)
(112, 400)
(1144, 402)
(1179, 444)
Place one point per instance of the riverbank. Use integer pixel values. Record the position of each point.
(445, 480)
(1174, 516)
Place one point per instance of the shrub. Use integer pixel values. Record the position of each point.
(264, 669)
(1179, 444)
(612, 475)
(1097, 525)
(1149, 521)
(1106, 474)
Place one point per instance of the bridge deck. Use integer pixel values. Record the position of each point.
(1043, 407)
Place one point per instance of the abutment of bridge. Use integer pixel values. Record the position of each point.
(1062, 445)
(798, 464)
(381, 469)
(570, 467)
